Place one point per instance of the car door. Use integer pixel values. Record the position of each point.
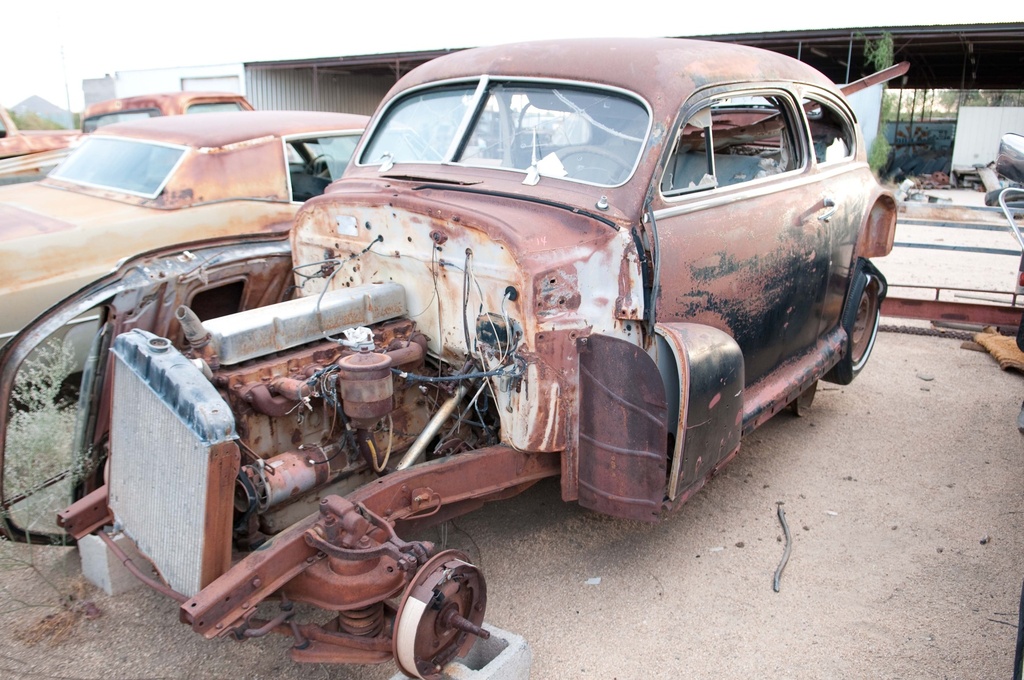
(841, 178)
(743, 238)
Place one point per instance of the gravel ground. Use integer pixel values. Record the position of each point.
(903, 492)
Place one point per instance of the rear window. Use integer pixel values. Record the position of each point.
(128, 165)
(214, 107)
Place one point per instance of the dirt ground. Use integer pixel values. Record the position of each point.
(903, 492)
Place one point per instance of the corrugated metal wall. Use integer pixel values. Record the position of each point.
(293, 90)
(978, 129)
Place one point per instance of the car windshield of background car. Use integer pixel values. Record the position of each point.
(128, 165)
(92, 123)
(557, 130)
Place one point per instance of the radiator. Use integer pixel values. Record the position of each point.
(173, 461)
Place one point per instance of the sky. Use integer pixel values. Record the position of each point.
(106, 36)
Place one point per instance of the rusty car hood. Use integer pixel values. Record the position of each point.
(34, 209)
(525, 223)
(52, 241)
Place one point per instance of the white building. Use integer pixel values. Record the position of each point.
(219, 77)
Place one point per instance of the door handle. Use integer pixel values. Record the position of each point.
(829, 203)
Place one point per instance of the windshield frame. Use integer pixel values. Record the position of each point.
(99, 138)
(482, 86)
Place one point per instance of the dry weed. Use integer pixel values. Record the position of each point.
(59, 626)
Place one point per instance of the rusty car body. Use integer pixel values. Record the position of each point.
(137, 186)
(604, 261)
(15, 142)
(138, 107)
(26, 155)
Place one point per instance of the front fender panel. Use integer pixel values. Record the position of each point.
(708, 367)
(623, 455)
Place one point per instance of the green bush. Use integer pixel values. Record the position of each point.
(878, 155)
(39, 437)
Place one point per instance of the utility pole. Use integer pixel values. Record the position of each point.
(67, 92)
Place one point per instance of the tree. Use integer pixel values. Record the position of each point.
(879, 53)
(33, 121)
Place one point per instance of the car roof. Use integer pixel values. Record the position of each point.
(214, 130)
(655, 68)
(169, 103)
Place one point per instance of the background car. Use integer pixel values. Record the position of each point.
(132, 187)
(126, 109)
(26, 155)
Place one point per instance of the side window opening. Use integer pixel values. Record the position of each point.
(315, 162)
(831, 132)
(733, 140)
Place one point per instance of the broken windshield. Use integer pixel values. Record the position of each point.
(543, 130)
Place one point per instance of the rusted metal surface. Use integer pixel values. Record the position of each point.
(130, 565)
(623, 444)
(87, 514)
(768, 398)
(439, 615)
(950, 311)
(534, 290)
(161, 104)
(885, 75)
(708, 399)
(15, 142)
(31, 166)
(56, 236)
(309, 559)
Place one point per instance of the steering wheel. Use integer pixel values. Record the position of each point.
(320, 166)
(585, 161)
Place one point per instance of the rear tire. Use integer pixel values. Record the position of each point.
(860, 319)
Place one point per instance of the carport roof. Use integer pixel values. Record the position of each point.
(971, 56)
(976, 56)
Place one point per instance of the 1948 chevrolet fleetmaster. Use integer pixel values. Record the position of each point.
(604, 261)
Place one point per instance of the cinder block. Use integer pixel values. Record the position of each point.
(102, 568)
(505, 656)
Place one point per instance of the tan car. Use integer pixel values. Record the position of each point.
(136, 186)
(127, 109)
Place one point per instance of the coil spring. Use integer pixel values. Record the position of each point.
(366, 622)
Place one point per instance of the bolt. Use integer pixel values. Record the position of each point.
(219, 626)
(256, 582)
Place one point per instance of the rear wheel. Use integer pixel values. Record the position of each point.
(860, 319)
